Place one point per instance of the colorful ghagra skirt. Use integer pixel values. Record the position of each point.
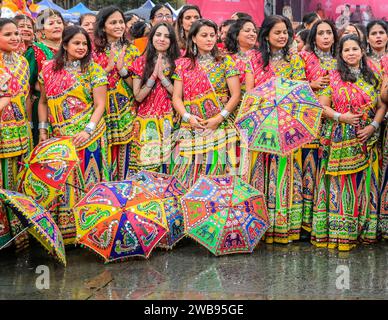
(347, 191)
(151, 144)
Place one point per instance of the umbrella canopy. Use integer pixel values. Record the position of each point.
(37, 221)
(225, 214)
(279, 116)
(169, 190)
(143, 11)
(47, 169)
(44, 4)
(118, 220)
(79, 9)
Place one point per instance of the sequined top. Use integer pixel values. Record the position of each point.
(292, 68)
(70, 99)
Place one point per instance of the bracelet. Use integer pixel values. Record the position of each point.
(336, 116)
(375, 124)
(166, 83)
(90, 127)
(43, 125)
(150, 83)
(186, 117)
(124, 73)
(225, 113)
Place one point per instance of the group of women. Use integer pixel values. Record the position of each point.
(171, 109)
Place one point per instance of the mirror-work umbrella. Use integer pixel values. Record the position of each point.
(169, 190)
(279, 116)
(37, 221)
(47, 169)
(118, 220)
(225, 214)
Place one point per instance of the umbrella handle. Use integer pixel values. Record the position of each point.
(24, 230)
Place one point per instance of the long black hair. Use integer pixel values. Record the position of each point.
(267, 25)
(231, 42)
(311, 40)
(67, 35)
(344, 69)
(179, 24)
(100, 39)
(369, 29)
(197, 25)
(150, 52)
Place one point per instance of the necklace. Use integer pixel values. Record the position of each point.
(355, 71)
(9, 59)
(205, 59)
(277, 56)
(73, 65)
(116, 45)
(323, 56)
(376, 56)
(51, 44)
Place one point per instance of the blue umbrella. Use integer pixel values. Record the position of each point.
(79, 9)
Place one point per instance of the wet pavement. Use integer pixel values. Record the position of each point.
(296, 271)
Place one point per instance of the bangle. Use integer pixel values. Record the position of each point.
(186, 117)
(166, 83)
(90, 127)
(225, 113)
(375, 124)
(336, 116)
(150, 83)
(43, 125)
(124, 73)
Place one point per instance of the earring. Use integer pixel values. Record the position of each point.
(361, 64)
(268, 48)
(43, 36)
(195, 50)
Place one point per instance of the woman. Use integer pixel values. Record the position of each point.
(139, 35)
(301, 39)
(278, 177)
(26, 29)
(318, 59)
(161, 12)
(240, 40)
(206, 91)
(152, 88)
(50, 24)
(186, 17)
(87, 21)
(346, 209)
(383, 208)
(113, 52)
(377, 34)
(73, 96)
(130, 20)
(15, 134)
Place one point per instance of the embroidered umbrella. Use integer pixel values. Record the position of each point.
(169, 190)
(279, 116)
(47, 169)
(225, 214)
(118, 220)
(37, 221)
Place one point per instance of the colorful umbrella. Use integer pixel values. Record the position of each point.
(279, 116)
(169, 190)
(37, 221)
(225, 214)
(47, 169)
(120, 219)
